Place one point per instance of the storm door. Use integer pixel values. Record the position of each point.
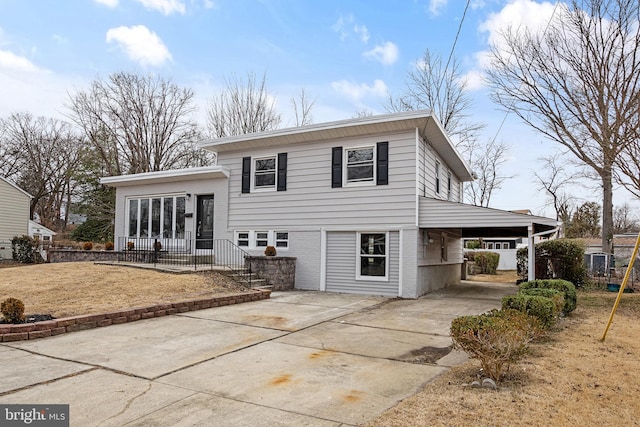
(204, 221)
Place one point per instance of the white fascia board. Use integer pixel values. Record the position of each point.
(173, 175)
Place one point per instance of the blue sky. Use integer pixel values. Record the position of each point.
(347, 55)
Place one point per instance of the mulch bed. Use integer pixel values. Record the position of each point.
(31, 318)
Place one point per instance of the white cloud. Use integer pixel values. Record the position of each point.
(435, 6)
(167, 7)
(9, 61)
(362, 32)
(140, 44)
(209, 4)
(386, 53)
(108, 3)
(357, 91)
(340, 26)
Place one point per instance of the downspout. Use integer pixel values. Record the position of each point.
(531, 261)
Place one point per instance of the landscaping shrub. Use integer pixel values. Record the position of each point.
(87, 246)
(108, 246)
(556, 259)
(473, 244)
(24, 249)
(130, 246)
(486, 262)
(556, 296)
(540, 307)
(13, 310)
(270, 251)
(498, 338)
(157, 246)
(567, 288)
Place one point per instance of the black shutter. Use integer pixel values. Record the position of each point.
(336, 167)
(282, 172)
(246, 174)
(382, 156)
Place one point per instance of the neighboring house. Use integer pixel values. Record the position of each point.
(43, 235)
(368, 205)
(14, 215)
(507, 248)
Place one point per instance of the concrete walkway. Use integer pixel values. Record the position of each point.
(300, 358)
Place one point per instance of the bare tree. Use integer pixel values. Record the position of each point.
(361, 114)
(486, 162)
(302, 107)
(241, 108)
(47, 153)
(624, 221)
(443, 90)
(137, 124)
(554, 179)
(577, 83)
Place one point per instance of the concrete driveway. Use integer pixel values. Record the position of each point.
(300, 358)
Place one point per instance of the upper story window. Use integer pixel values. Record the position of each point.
(449, 186)
(437, 177)
(265, 173)
(360, 164)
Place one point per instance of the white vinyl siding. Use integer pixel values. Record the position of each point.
(427, 161)
(341, 266)
(311, 202)
(14, 216)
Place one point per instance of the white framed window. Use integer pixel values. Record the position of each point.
(282, 239)
(242, 239)
(437, 177)
(156, 217)
(261, 239)
(490, 245)
(372, 259)
(360, 165)
(264, 173)
(449, 186)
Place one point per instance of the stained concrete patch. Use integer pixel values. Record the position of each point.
(364, 341)
(150, 348)
(206, 410)
(326, 299)
(268, 314)
(102, 398)
(22, 369)
(400, 320)
(449, 306)
(474, 290)
(318, 383)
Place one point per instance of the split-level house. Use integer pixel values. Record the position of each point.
(368, 205)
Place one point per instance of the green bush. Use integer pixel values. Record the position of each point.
(13, 310)
(498, 338)
(540, 307)
(555, 295)
(24, 249)
(570, 296)
(556, 259)
(487, 262)
(473, 244)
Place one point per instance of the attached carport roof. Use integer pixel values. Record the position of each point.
(476, 221)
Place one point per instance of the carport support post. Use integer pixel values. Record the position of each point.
(531, 256)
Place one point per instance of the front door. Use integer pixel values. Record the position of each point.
(204, 222)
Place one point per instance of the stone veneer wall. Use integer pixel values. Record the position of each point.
(74, 255)
(277, 271)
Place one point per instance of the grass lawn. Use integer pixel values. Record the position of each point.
(569, 379)
(68, 289)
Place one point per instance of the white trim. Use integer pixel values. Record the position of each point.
(323, 259)
(359, 276)
(400, 261)
(271, 239)
(417, 177)
(345, 166)
(265, 189)
(172, 175)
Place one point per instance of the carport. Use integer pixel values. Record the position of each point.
(474, 221)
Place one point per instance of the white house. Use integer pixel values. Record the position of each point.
(14, 215)
(367, 205)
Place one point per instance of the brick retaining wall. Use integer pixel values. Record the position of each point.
(47, 328)
(277, 271)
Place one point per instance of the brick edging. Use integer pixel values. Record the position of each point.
(47, 328)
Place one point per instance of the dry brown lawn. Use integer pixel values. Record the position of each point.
(569, 379)
(68, 289)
